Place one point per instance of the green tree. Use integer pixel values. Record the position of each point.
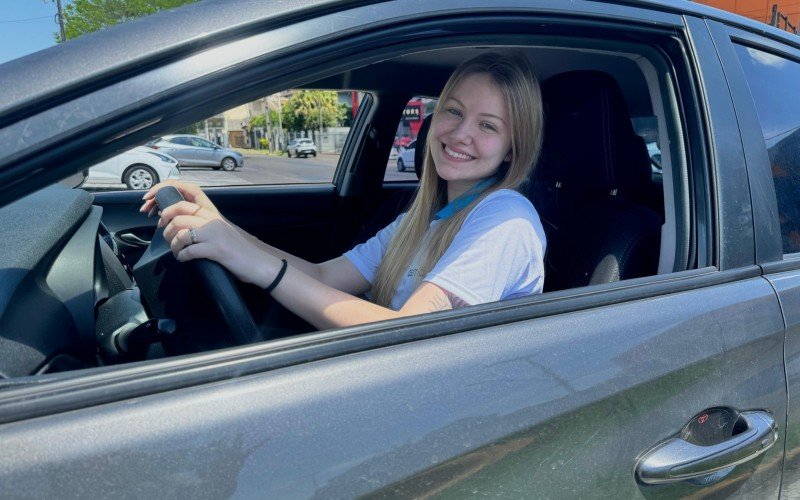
(86, 16)
(302, 110)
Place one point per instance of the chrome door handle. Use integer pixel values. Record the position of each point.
(679, 460)
(132, 239)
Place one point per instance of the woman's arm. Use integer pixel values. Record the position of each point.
(316, 302)
(337, 273)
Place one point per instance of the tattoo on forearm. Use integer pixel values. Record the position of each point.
(446, 301)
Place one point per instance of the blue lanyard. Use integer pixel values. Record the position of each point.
(465, 199)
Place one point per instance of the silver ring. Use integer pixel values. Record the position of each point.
(193, 235)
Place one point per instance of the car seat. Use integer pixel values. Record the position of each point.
(399, 201)
(591, 184)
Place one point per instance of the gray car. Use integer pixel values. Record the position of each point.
(662, 361)
(194, 151)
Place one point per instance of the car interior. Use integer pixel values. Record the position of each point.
(609, 215)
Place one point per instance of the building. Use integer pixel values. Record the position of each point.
(784, 14)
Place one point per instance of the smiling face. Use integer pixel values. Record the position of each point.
(470, 134)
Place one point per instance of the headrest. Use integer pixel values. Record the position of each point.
(589, 142)
(422, 139)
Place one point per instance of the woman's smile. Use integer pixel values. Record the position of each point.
(457, 155)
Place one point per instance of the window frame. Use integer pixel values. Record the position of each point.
(768, 244)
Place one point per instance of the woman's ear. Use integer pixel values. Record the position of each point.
(507, 159)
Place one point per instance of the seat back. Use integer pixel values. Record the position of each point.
(590, 184)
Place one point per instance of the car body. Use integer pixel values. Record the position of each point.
(679, 382)
(301, 147)
(405, 160)
(137, 168)
(195, 151)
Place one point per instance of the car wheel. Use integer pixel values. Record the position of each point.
(228, 164)
(140, 177)
(400, 165)
(314, 154)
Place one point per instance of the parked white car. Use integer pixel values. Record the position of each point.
(138, 168)
(405, 160)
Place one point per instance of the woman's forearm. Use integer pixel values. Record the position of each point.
(321, 305)
(306, 267)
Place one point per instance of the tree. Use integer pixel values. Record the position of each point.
(302, 110)
(86, 16)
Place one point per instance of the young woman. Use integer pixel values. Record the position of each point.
(469, 237)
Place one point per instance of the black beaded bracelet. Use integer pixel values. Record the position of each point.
(279, 277)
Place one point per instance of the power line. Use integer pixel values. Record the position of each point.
(28, 19)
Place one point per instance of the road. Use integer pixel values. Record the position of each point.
(262, 169)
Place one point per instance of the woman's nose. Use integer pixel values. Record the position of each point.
(461, 132)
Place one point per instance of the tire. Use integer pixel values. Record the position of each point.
(314, 154)
(288, 153)
(401, 167)
(228, 164)
(140, 177)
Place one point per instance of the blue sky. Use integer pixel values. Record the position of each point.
(26, 26)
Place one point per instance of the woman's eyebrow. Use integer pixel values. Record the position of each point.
(490, 115)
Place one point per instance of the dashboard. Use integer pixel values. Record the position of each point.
(58, 267)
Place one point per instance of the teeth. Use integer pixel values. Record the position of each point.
(460, 156)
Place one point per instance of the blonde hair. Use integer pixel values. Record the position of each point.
(515, 80)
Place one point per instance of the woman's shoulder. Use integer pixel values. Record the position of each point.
(506, 203)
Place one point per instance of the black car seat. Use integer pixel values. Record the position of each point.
(591, 184)
(399, 201)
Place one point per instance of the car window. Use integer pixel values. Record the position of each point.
(401, 159)
(254, 140)
(773, 82)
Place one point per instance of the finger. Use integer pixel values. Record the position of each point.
(196, 251)
(182, 222)
(182, 239)
(180, 208)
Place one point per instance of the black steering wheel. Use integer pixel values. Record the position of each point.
(219, 284)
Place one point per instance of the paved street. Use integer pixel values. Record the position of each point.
(262, 169)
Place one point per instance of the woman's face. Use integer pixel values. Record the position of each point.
(471, 134)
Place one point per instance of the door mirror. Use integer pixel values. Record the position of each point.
(75, 180)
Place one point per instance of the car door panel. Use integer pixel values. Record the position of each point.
(297, 219)
(559, 406)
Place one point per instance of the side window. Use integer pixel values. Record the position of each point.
(253, 140)
(773, 83)
(401, 159)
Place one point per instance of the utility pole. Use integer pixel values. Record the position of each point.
(319, 107)
(61, 22)
(280, 122)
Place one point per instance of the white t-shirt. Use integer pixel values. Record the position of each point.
(497, 254)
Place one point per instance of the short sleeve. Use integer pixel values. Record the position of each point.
(497, 254)
(367, 256)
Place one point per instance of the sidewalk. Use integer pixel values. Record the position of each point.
(265, 152)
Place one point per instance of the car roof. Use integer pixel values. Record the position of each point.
(108, 54)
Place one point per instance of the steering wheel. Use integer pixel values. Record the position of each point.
(219, 284)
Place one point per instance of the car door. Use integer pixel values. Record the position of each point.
(182, 149)
(206, 153)
(763, 72)
(569, 394)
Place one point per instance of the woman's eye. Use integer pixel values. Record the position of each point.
(489, 126)
(454, 111)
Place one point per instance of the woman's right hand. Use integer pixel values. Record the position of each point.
(191, 193)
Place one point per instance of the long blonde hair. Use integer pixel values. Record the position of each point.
(516, 82)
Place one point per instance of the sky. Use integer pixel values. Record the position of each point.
(26, 26)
